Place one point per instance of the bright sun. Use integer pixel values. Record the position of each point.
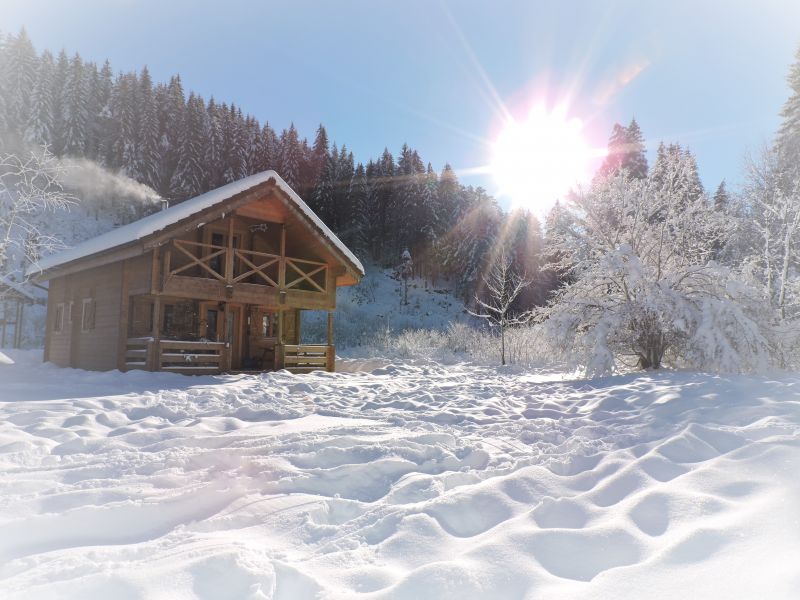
(537, 161)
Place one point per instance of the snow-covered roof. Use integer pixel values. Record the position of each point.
(161, 220)
(17, 288)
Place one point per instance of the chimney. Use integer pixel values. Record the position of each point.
(164, 204)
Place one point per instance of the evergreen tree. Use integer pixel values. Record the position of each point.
(19, 77)
(322, 198)
(215, 145)
(104, 124)
(171, 113)
(290, 156)
(319, 154)
(626, 151)
(59, 86)
(789, 131)
(268, 149)
(362, 205)
(149, 159)
(636, 159)
(721, 197)
(40, 125)
(188, 177)
(74, 109)
(126, 155)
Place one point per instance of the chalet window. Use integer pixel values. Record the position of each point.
(58, 325)
(69, 306)
(179, 320)
(88, 314)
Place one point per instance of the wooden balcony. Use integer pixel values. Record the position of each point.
(207, 271)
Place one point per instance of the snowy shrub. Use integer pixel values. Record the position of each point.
(644, 288)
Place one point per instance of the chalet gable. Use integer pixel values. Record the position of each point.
(264, 196)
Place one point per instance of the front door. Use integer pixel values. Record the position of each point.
(222, 322)
(233, 333)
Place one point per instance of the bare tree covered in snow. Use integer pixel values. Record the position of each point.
(29, 188)
(643, 284)
(501, 287)
(772, 193)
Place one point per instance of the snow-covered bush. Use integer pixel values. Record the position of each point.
(643, 285)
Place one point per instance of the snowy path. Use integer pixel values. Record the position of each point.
(407, 482)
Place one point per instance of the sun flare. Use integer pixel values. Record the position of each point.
(536, 161)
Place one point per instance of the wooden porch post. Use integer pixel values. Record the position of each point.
(229, 253)
(331, 366)
(154, 347)
(282, 264)
(122, 342)
(279, 345)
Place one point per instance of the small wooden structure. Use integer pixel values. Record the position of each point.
(212, 284)
(13, 298)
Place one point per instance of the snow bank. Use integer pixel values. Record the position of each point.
(404, 482)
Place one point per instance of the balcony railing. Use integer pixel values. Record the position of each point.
(236, 265)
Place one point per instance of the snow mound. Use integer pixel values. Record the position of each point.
(403, 482)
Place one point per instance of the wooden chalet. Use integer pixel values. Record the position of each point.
(212, 284)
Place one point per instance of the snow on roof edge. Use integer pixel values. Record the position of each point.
(161, 220)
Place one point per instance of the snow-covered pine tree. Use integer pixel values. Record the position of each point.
(40, 126)
(721, 198)
(103, 124)
(322, 198)
(361, 199)
(636, 157)
(149, 136)
(675, 171)
(788, 138)
(234, 145)
(252, 133)
(342, 214)
(19, 77)
(214, 145)
(126, 112)
(617, 147)
(626, 151)
(188, 179)
(171, 115)
(319, 154)
(290, 156)
(74, 109)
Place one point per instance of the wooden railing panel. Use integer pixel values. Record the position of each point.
(278, 271)
(303, 358)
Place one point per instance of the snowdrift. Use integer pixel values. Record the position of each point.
(405, 482)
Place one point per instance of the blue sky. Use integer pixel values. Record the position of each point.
(709, 74)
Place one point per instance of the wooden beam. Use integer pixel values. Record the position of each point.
(154, 271)
(282, 267)
(229, 252)
(122, 341)
(330, 327)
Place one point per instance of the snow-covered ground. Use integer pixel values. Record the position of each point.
(413, 481)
